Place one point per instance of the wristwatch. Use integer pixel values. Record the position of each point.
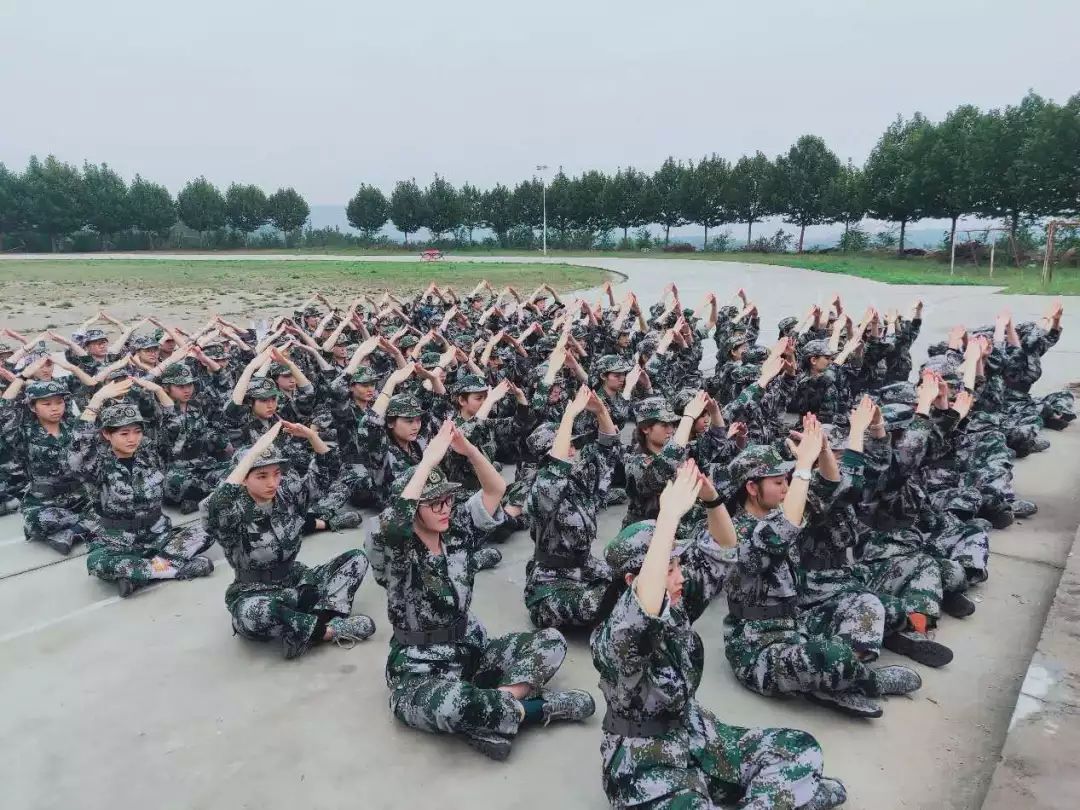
(803, 474)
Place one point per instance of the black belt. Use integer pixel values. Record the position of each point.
(784, 610)
(653, 727)
(440, 635)
(273, 575)
(560, 561)
(130, 524)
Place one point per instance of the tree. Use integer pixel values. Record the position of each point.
(496, 211)
(589, 211)
(368, 211)
(947, 173)
(802, 181)
(671, 184)
(847, 197)
(527, 204)
(443, 207)
(152, 208)
(201, 206)
(408, 207)
(245, 208)
(627, 200)
(892, 176)
(750, 191)
(706, 198)
(105, 200)
(471, 207)
(55, 194)
(560, 205)
(287, 210)
(13, 203)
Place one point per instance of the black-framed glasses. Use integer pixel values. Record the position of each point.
(441, 505)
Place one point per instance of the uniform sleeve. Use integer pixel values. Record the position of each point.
(627, 639)
(910, 449)
(222, 518)
(660, 469)
(84, 455)
(771, 537)
(705, 567)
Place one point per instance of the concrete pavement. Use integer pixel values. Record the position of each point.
(110, 703)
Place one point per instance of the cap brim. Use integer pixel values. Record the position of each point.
(783, 468)
(435, 493)
(281, 461)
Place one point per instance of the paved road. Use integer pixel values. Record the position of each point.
(109, 703)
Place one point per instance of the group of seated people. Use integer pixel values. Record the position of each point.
(835, 505)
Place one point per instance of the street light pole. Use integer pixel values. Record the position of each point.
(543, 186)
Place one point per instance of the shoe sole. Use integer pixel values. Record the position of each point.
(496, 751)
(927, 653)
(848, 710)
(960, 612)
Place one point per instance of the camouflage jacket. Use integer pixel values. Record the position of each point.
(385, 459)
(832, 526)
(646, 476)
(257, 537)
(769, 571)
(42, 457)
(761, 409)
(187, 437)
(1023, 366)
(828, 395)
(426, 591)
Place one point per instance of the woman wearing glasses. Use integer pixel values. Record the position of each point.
(444, 671)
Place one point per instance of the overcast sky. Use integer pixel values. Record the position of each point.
(326, 95)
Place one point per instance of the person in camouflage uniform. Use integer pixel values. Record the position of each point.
(444, 672)
(195, 452)
(131, 540)
(661, 747)
(760, 405)
(37, 438)
(772, 646)
(564, 582)
(257, 515)
(659, 448)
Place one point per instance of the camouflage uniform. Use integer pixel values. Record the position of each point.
(443, 670)
(647, 473)
(772, 646)
(661, 747)
(273, 595)
(355, 476)
(564, 582)
(126, 525)
(55, 497)
(193, 450)
(761, 409)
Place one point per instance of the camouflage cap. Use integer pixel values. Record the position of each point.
(404, 405)
(654, 409)
(505, 353)
(469, 384)
(90, 335)
(271, 455)
(626, 552)
(817, 348)
(262, 388)
(312, 311)
(898, 393)
(648, 344)
(437, 485)
(612, 364)
(756, 354)
(277, 370)
(364, 375)
(160, 335)
(42, 389)
(177, 374)
(33, 354)
(835, 435)
(408, 341)
(118, 416)
(215, 351)
(897, 416)
(140, 342)
(542, 439)
(682, 398)
(430, 360)
(746, 373)
(757, 461)
(786, 326)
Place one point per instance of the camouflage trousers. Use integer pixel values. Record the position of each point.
(467, 699)
(909, 583)
(956, 543)
(782, 656)
(191, 480)
(708, 764)
(353, 489)
(565, 598)
(59, 521)
(269, 613)
(12, 483)
(130, 556)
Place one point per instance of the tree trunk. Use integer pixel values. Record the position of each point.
(625, 234)
(1014, 223)
(706, 245)
(667, 235)
(749, 232)
(847, 227)
(903, 228)
(405, 243)
(802, 233)
(952, 233)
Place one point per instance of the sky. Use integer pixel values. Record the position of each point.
(328, 94)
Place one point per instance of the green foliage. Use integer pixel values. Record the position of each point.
(847, 194)
(885, 239)
(750, 191)
(629, 199)
(803, 178)
(152, 208)
(496, 211)
(408, 207)
(368, 211)
(442, 206)
(55, 192)
(105, 200)
(201, 206)
(245, 208)
(526, 204)
(287, 210)
(671, 184)
(13, 203)
(854, 240)
(471, 204)
(708, 188)
(893, 174)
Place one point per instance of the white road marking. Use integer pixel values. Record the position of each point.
(45, 625)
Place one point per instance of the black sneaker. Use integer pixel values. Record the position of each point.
(847, 703)
(294, 646)
(1024, 509)
(897, 680)
(59, 545)
(918, 647)
(957, 605)
(125, 587)
(344, 520)
(491, 744)
(197, 566)
(188, 506)
(1039, 445)
(830, 793)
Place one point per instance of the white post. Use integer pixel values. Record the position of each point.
(544, 182)
(993, 245)
(952, 254)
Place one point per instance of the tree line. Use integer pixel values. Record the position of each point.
(1018, 164)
